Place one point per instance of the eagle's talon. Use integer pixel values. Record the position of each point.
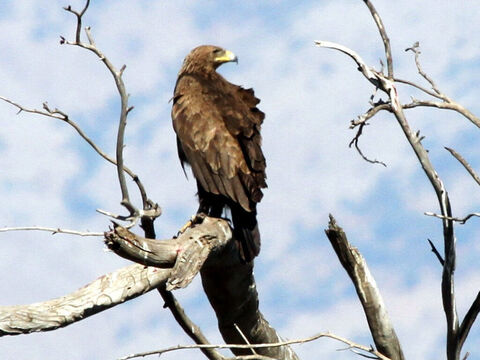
(198, 218)
(184, 228)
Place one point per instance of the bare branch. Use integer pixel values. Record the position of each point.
(369, 73)
(451, 218)
(468, 321)
(445, 105)
(377, 317)
(351, 345)
(465, 164)
(416, 49)
(54, 231)
(79, 19)
(362, 119)
(383, 34)
(107, 291)
(411, 83)
(435, 251)
(61, 115)
(117, 75)
(190, 328)
(355, 143)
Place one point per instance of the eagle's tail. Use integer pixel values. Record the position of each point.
(245, 230)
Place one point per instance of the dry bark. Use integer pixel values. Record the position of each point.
(378, 320)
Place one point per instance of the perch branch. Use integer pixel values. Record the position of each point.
(107, 291)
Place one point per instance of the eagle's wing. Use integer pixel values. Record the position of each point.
(222, 149)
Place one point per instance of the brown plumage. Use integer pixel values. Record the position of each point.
(218, 135)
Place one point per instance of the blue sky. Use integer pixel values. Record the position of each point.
(52, 178)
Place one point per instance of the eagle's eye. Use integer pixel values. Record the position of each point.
(216, 51)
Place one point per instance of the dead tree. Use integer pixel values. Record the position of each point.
(457, 329)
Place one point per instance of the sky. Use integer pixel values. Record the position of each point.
(51, 177)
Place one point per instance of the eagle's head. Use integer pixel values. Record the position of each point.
(207, 58)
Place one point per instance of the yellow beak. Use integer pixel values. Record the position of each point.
(226, 56)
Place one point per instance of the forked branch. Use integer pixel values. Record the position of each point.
(124, 109)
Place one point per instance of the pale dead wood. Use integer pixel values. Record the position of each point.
(107, 291)
(374, 308)
(383, 35)
(124, 107)
(452, 218)
(465, 164)
(228, 283)
(351, 346)
(54, 231)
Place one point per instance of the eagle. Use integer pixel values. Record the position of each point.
(218, 134)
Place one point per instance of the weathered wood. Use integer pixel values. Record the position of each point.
(378, 320)
(110, 289)
(105, 292)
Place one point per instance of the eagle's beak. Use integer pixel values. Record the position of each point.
(227, 56)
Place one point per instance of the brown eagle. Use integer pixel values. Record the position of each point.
(218, 135)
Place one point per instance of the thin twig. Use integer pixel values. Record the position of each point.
(415, 48)
(131, 219)
(355, 143)
(117, 75)
(465, 164)
(244, 338)
(190, 328)
(368, 72)
(54, 231)
(451, 218)
(60, 115)
(79, 16)
(411, 83)
(361, 119)
(351, 344)
(435, 251)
